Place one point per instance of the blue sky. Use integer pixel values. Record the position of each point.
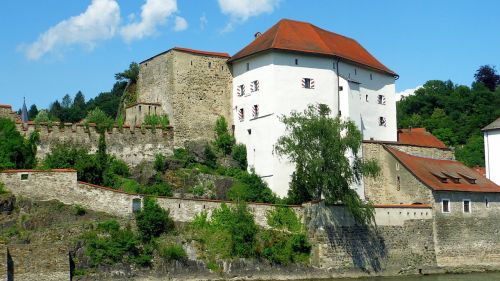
(55, 47)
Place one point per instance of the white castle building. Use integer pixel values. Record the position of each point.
(492, 151)
(292, 65)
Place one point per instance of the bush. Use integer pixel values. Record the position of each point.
(118, 167)
(155, 120)
(43, 117)
(223, 140)
(2, 189)
(79, 210)
(15, 151)
(210, 157)
(249, 187)
(103, 122)
(284, 218)
(157, 189)
(152, 220)
(160, 163)
(184, 156)
(239, 154)
(173, 252)
(284, 248)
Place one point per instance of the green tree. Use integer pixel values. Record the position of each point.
(240, 155)
(102, 121)
(15, 151)
(33, 112)
(153, 220)
(131, 74)
(319, 146)
(488, 75)
(43, 117)
(223, 140)
(472, 153)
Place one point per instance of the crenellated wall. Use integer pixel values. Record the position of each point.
(133, 145)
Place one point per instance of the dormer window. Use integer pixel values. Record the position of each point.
(454, 179)
(382, 121)
(308, 83)
(254, 86)
(381, 99)
(240, 90)
(469, 179)
(441, 178)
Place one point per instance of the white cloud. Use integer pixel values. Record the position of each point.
(203, 21)
(241, 10)
(180, 24)
(407, 92)
(98, 22)
(153, 14)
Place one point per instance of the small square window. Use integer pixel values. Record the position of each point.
(467, 206)
(24, 177)
(308, 83)
(371, 76)
(355, 71)
(241, 114)
(255, 111)
(486, 202)
(366, 98)
(209, 65)
(296, 62)
(254, 86)
(445, 205)
(382, 121)
(248, 66)
(381, 99)
(398, 186)
(240, 90)
(397, 166)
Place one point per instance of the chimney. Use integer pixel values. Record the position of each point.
(257, 34)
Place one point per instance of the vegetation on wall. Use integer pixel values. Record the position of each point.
(319, 146)
(455, 113)
(155, 120)
(16, 152)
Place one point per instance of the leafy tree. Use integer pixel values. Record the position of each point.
(249, 187)
(153, 220)
(15, 151)
(488, 75)
(472, 153)
(131, 74)
(32, 112)
(240, 155)
(223, 140)
(78, 108)
(319, 146)
(43, 117)
(102, 121)
(210, 157)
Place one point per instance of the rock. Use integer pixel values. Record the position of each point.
(143, 172)
(7, 203)
(197, 149)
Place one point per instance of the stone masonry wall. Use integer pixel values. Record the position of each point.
(6, 112)
(193, 89)
(132, 145)
(386, 188)
(401, 243)
(430, 152)
(468, 239)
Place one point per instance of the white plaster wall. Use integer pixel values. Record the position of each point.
(281, 92)
(492, 155)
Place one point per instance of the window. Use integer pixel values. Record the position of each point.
(296, 62)
(341, 88)
(248, 66)
(397, 166)
(355, 71)
(371, 76)
(254, 86)
(241, 114)
(445, 205)
(366, 98)
(191, 62)
(333, 65)
(381, 99)
(255, 111)
(136, 205)
(240, 90)
(139, 108)
(307, 83)
(209, 65)
(381, 121)
(398, 187)
(486, 202)
(24, 177)
(467, 206)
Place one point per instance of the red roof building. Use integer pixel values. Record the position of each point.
(303, 37)
(419, 137)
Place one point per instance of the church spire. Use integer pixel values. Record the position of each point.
(24, 112)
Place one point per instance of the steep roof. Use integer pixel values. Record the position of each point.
(419, 137)
(290, 35)
(494, 125)
(444, 175)
(192, 51)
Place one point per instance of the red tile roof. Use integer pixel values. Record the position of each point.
(5, 106)
(429, 171)
(290, 35)
(481, 170)
(419, 137)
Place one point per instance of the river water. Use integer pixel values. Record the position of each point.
(444, 277)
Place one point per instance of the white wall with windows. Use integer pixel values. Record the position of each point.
(283, 82)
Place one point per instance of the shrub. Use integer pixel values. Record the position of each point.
(15, 151)
(153, 220)
(173, 252)
(284, 248)
(155, 120)
(160, 163)
(223, 140)
(184, 156)
(284, 218)
(118, 167)
(2, 189)
(157, 189)
(249, 187)
(103, 122)
(43, 117)
(210, 157)
(239, 154)
(79, 210)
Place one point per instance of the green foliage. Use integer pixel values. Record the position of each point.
(118, 167)
(155, 120)
(79, 210)
(205, 189)
(15, 151)
(284, 218)
(173, 252)
(284, 248)
(157, 189)
(160, 163)
(249, 187)
(97, 116)
(210, 157)
(230, 232)
(488, 75)
(318, 145)
(239, 154)
(131, 74)
(2, 189)
(43, 117)
(223, 140)
(32, 112)
(110, 244)
(153, 220)
(184, 156)
(453, 113)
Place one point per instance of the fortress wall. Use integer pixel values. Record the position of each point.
(130, 144)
